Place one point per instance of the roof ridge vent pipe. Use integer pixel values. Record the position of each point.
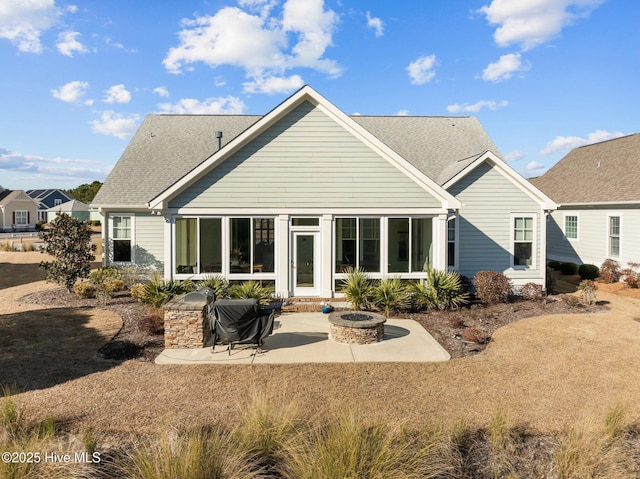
(219, 137)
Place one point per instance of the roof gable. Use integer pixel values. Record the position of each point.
(606, 172)
(508, 172)
(306, 94)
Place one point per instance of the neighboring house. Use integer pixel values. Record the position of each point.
(295, 197)
(597, 188)
(74, 208)
(48, 199)
(18, 212)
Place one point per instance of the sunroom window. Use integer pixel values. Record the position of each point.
(409, 244)
(252, 245)
(198, 245)
(358, 244)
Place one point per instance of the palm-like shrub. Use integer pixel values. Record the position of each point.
(389, 295)
(160, 291)
(218, 284)
(357, 288)
(250, 289)
(440, 290)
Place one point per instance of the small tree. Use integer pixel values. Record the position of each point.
(68, 240)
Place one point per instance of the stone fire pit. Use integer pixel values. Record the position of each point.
(356, 327)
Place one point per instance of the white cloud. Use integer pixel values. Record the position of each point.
(23, 22)
(476, 107)
(402, 113)
(504, 68)
(376, 24)
(13, 161)
(72, 92)
(265, 45)
(514, 155)
(273, 85)
(116, 124)
(529, 23)
(421, 71)
(534, 168)
(68, 43)
(210, 106)
(117, 94)
(161, 91)
(564, 144)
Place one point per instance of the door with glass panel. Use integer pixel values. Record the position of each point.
(305, 264)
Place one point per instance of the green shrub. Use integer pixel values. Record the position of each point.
(610, 271)
(139, 292)
(389, 295)
(84, 290)
(251, 289)
(554, 265)
(588, 271)
(440, 290)
(218, 284)
(357, 288)
(105, 274)
(492, 287)
(531, 292)
(160, 291)
(569, 269)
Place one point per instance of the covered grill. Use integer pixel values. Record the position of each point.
(239, 321)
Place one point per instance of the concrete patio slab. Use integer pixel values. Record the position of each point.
(304, 338)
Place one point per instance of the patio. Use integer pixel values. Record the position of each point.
(304, 338)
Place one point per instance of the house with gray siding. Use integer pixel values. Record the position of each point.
(597, 189)
(295, 197)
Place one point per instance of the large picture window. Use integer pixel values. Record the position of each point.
(409, 244)
(121, 235)
(358, 244)
(252, 245)
(523, 241)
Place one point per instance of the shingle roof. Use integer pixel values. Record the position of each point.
(605, 172)
(166, 147)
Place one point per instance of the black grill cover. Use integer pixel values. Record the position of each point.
(239, 320)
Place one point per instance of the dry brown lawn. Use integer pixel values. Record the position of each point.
(546, 372)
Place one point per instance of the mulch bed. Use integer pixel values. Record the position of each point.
(462, 333)
(141, 336)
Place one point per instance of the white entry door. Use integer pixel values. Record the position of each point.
(305, 263)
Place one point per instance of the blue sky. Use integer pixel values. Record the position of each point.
(78, 77)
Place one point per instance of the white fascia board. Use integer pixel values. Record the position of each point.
(546, 203)
(373, 212)
(600, 203)
(306, 93)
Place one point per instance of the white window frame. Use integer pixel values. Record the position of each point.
(608, 233)
(22, 217)
(132, 238)
(456, 227)
(534, 245)
(57, 202)
(564, 225)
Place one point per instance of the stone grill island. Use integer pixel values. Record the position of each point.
(356, 327)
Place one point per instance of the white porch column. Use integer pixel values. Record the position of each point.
(326, 240)
(440, 242)
(168, 247)
(283, 266)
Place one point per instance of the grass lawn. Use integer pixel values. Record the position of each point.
(544, 374)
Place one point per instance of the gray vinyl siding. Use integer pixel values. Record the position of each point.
(149, 248)
(485, 224)
(592, 244)
(305, 160)
(148, 237)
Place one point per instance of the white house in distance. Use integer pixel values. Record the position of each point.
(597, 188)
(295, 197)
